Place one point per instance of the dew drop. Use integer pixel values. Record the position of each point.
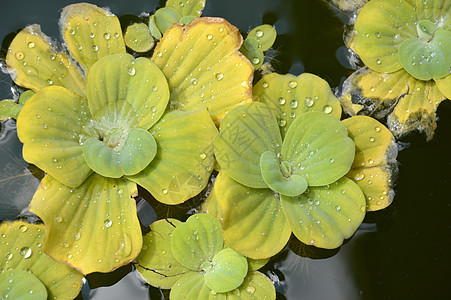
(331, 160)
(256, 60)
(95, 48)
(282, 122)
(131, 71)
(378, 61)
(359, 176)
(371, 139)
(58, 219)
(44, 126)
(294, 103)
(203, 156)
(19, 55)
(108, 223)
(77, 236)
(72, 32)
(337, 208)
(309, 101)
(31, 45)
(9, 256)
(26, 252)
(154, 88)
(377, 34)
(370, 161)
(92, 35)
(209, 37)
(164, 191)
(282, 101)
(327, 109)
(219, 76)
(107, 36)
(378, 129)
(293, 115)
(265, 85)
(292, 84)
(23, 228)
(250, 289)
(194, 81)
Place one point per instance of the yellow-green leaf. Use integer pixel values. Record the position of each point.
(90, 33)
(204, 67)
(94, 227)
(126, 92)
(51, 126)
(253, 221)
(21, 249)
(36, 64)
(326, 215)
(20, 284)
(444, 85)
(290, 96)
(374, 162)
(184, 161)
(156, 264)
(187, 7)
(138, 37)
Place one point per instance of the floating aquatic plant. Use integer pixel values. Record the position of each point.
(406, 46)
(258, 40)
(282, 172)
(26, 272)
(192, 260)
(10, 109)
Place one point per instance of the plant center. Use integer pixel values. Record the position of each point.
(425, 30)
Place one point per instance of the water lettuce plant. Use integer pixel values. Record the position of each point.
(89, 138)
(26, 272)
(405, 46)
(281, 171)
(258, 40)
(192, 260)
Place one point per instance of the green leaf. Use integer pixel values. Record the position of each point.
(256, 56)
(278, 176)
(165, 17)
(101, 210)
(326, 215)
(429, 59)
(138, 37)
(21, 249)
(137, 152)
(255, 286)
(204, 67)
(25, 96)
(192, 286)
(184, 161)
(125, 92)
(374, 162)
(381, 28)
(251, 43)
(52, 67)
(6, 107)
(156, 264)
(265, 36)
(246, 133)
(317, 147)
(187, 19)
(187, 7)
(444, 85)
(90, 33)
(153, 28)
(290, 96)
(226, 271)
(253, 221)
(20, 284)
(51, 126)
(197, 241)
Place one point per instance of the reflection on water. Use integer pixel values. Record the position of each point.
(17, 183)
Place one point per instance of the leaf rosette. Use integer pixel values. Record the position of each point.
(284, 162)
(192, 260)
(406, 44)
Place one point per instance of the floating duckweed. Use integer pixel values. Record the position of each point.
(31, 45)
(309, 101)
(219, 76)
(19, 55)
(281, 101)
(292, 84)
(108, 223)
(26, 252)
(294, 103)
(327, 109)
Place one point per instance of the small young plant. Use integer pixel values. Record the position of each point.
(258, 40)
(9, 109)
(406, 48)
(192, 260)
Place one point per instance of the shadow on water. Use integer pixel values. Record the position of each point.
(398, 253)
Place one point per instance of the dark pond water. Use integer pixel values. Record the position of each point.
(401, 252)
